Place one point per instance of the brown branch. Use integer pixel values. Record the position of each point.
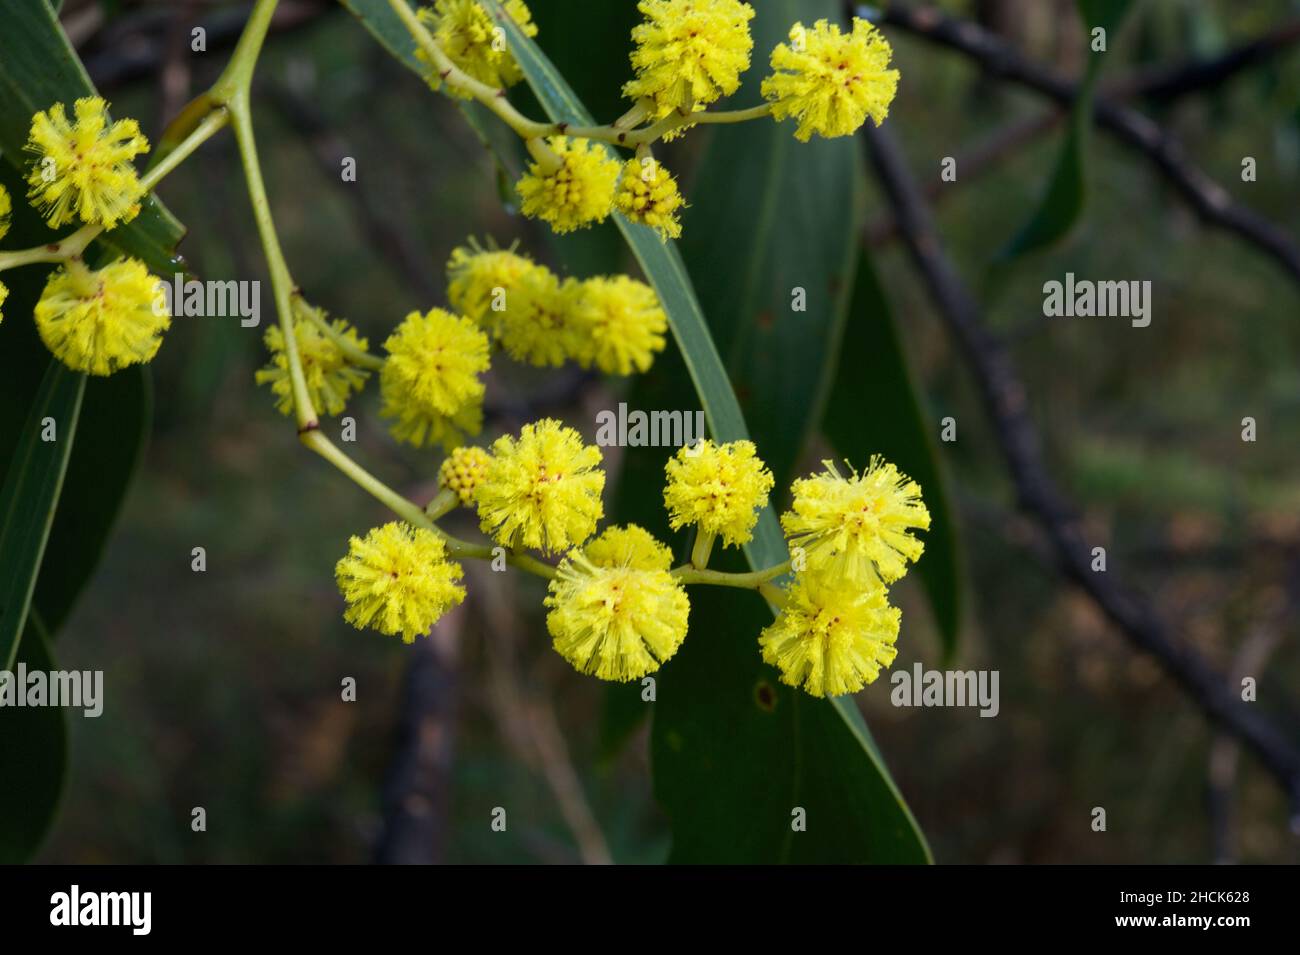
(417, 791)
(1211, 201)
(1163, 84)
(1004, 398)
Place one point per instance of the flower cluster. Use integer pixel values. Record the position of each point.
(475, 45)
(612, 323)
(851, 537)
(617, 609)
(81, 170)
(431, 381)
(686, 55)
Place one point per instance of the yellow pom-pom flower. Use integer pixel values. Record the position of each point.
(398, 580)
(689, 53)
(718, 487)
(615, 623)
(463, 471)
(479, 281)
(536, 326)
(629, 546)
(618, 324)
(100, 321)
(430, 383)
(857, 529)
(4, 294)
(831, 637)
(648, 195)
(6, 207)
(831, 81)
(82, 168)
(542, 490)
(573, 192)
(331, 375)
(477, 46)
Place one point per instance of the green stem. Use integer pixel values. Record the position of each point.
(213, 123)
(236, 79)
(702, 548)
(494, 99)
(491, 97)
(281, 281)
(772, 594)
(76, 243)
(355, 353)
(752, 580)
(443, 503)
(407, 510)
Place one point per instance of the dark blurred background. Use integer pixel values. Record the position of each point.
(224, 687)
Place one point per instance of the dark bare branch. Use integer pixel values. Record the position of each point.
(1004, 398)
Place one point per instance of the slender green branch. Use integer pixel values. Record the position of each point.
(407, 510)
(494, 99)
(213, 123)
(443, 503)
(772, 594)
(281, 281)
(355, 353)
(752, 580)
(491, 97)
(76, 243)
(236, 79)
(701, 549)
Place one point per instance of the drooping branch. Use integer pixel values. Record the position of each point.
(1212, 202)
(1004, 398)
(1164, 84)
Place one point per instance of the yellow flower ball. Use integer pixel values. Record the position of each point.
(331, 376)
(542, 490)
(618, 324)
(536, 326)
(463, 471)
(82, 169)
(430, 383)
(831, 637)
(398, 580)
(718, 487)
(857, 529)
(6, 207)
(629, 546)
(473, 42)
(831, 81)
(575, 193)
(100, 321)
(648, 195)
(689, 53)
(479, 281)
(4, 294)
(615, 623)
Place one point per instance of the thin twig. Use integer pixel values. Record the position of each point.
(1163, 84)
(417, 791)
(1211, 201)
(1004, 398)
